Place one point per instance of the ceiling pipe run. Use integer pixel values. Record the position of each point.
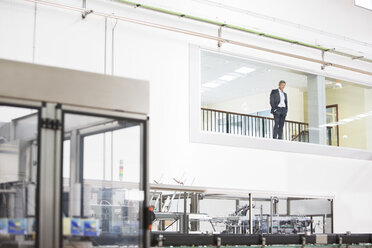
(85, 12)
(242, 29)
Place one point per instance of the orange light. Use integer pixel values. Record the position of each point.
(150, 227)
(151, 209)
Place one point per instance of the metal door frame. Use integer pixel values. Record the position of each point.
(143, 121)
(11, 102)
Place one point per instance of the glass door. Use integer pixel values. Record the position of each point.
(103, 195)
(19, 169)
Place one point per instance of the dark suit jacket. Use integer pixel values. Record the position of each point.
(275, 100)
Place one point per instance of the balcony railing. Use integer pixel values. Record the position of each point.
(251, 125)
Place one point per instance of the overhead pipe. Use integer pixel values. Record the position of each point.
(192, 33)
(246, 30)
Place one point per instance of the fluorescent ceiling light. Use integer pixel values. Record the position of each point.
(227, 77)
(361, 115)
(244, 70)
(347, 120)
(211, 85)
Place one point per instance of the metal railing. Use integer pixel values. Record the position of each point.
(250, 125)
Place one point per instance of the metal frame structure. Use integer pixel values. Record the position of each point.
(219, 39)
(29, 85)
(302, 240)
(195, 194)
(78, 170)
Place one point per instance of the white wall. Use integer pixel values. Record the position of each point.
(63, 39)
(368, 109)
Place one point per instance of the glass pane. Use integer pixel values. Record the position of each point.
(102, 198)
(245, 97)
(18, 176)
(240, 90)
(353, 114)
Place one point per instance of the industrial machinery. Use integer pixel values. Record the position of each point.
(190, 216)
(220, 211)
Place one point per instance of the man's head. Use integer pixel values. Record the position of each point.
(282, 85)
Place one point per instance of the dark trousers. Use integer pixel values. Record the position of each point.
(279, 119)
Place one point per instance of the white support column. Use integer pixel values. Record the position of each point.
(317, 109)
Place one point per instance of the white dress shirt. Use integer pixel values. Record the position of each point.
(282, 98)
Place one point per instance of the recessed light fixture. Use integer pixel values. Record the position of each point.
(361, 115)
(227, 77)
(211, 85)
(244, 70)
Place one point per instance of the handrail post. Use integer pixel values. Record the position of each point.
(227, 123)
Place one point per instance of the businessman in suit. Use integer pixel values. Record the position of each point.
(279, 108)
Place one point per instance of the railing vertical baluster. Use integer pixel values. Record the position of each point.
(255, 127)
(249, 126)
(299, 132)
(207, 120)
(263, 128)
(227, 123)
(210, 121)
(235, 124)
(232, 124)
(245, 125)
(291, 131)
(270, 128)
(241, 125)
(296, 127)
(219, 122)
(214, 121)
(203, 119)
(284, 132)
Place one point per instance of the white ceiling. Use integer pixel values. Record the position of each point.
(263, 79)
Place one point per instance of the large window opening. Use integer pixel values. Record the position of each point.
(242, 97)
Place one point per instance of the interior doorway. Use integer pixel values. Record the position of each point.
(332, 125)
